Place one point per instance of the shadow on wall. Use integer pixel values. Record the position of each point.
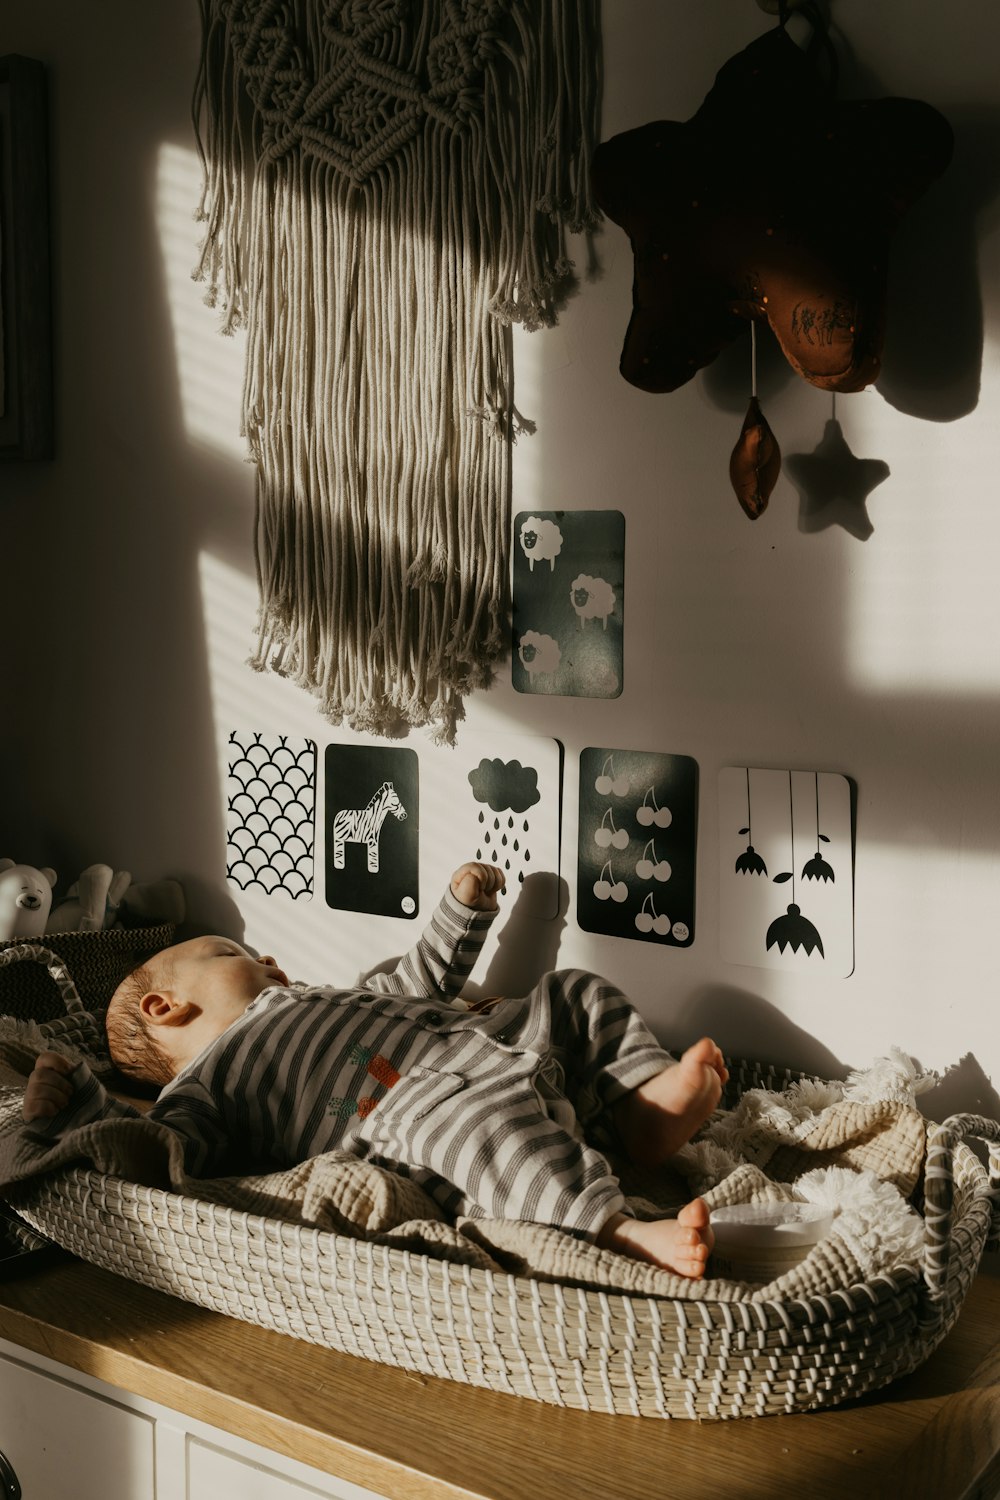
(527, 945)
(963, 1088)
(738, 1019)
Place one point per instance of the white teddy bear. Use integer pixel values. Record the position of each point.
(25, 899)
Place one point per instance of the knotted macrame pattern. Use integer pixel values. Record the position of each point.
(389, 184)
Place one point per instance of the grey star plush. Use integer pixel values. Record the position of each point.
(833, 485)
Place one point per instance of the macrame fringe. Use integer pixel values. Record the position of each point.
(377, 401)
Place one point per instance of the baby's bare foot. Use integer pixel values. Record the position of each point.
(681, 1245)
(660, 1116)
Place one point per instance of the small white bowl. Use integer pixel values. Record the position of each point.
(760, 1241)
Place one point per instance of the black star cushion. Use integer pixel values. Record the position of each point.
(774, 201)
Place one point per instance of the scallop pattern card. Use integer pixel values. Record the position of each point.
(270, 813)
(637, 845)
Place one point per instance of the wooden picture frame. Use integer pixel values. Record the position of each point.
(26, 421)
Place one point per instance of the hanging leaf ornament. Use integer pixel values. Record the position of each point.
(755, 462)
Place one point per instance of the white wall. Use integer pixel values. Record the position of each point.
(130, 573)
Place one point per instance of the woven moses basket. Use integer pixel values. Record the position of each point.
(593, 1350)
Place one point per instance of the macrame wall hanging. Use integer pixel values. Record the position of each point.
(389, 184)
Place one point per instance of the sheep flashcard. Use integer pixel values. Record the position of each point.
(637, 845)
(786, 868)
(496, 798)
(270, 813)
(568, 603)
(372, 826)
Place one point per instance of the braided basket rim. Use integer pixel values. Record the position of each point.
(574, 1346)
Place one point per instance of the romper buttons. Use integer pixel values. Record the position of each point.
(433, 1018)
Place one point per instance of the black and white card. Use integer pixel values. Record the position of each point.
(637, 845)
(270, 813)
(786, 868)
(372, 830)
(568, 602)
(496, 798)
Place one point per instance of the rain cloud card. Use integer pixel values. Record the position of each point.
(637, 845)
(568, 602)
(786, 869)
(496, 798)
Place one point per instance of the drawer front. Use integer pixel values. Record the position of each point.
(213, 1474)
(66, 1444)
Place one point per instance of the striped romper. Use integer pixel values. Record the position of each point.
(482, 1107)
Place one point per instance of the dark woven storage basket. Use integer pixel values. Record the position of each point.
(97, 962)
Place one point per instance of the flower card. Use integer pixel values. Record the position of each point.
(786, 869)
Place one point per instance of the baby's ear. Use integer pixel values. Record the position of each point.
(163, 1008)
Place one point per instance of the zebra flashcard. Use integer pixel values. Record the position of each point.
(372, 830)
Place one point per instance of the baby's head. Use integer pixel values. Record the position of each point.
(168, 1010)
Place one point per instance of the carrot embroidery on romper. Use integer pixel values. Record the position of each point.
(342, 1108)
(380, 1068)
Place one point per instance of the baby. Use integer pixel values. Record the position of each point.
(484, 1106)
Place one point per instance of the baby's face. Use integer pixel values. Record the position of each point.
(220, 977)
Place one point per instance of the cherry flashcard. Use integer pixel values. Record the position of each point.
(568, 602)
(786, 869)
(637, 845)
(372, 821)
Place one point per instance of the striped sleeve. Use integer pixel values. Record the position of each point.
(188, 1108)
(440, 963)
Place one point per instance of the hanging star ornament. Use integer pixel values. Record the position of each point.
(834, 485)
(774, 201)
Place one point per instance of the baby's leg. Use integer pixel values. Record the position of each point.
(661, 1115)
(681, 1245)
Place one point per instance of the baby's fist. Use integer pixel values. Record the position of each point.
(48, 1089)
(477, 886)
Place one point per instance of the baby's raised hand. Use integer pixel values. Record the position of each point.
(477, 885)
(49, 1089)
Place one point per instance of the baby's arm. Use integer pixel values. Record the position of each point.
(440, 963)
(60, 1086)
